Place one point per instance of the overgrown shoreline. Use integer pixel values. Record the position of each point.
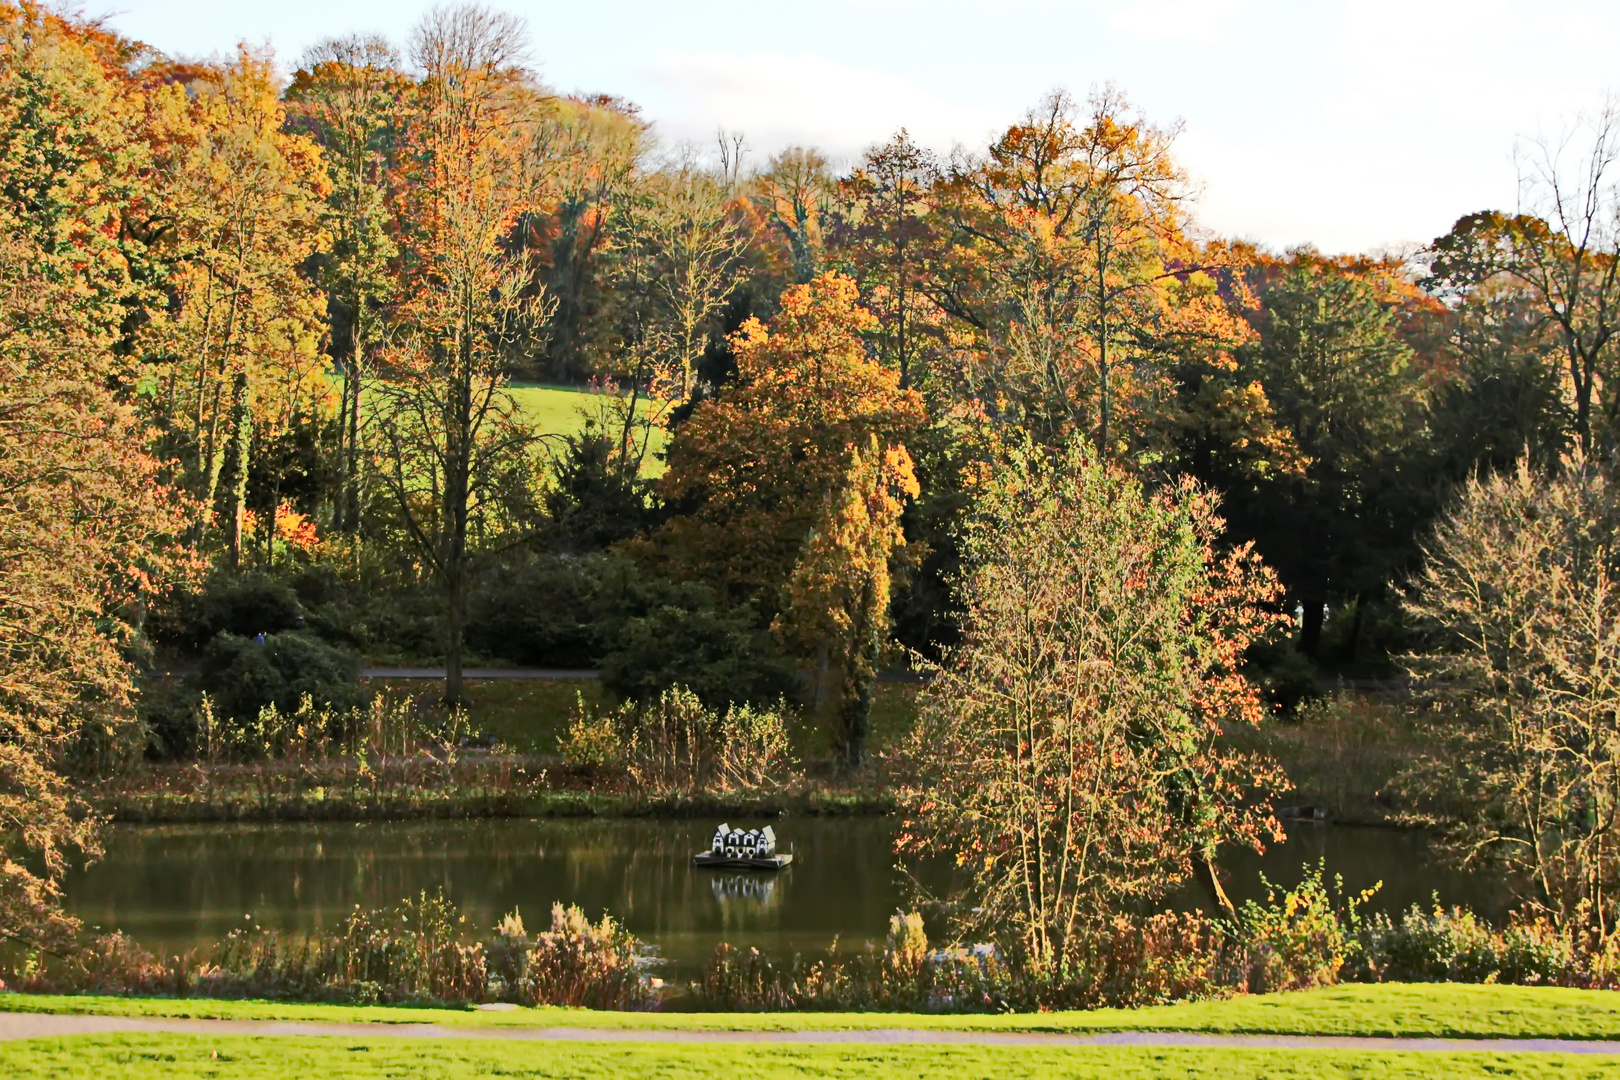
(180, 810)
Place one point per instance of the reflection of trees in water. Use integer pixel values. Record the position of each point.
(175, 887)
(185, 885)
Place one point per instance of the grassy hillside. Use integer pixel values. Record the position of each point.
(560, 410)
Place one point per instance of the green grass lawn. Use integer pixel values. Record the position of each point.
(137, 1057)
(562, 410)
(1397, 1009)
(557, 410)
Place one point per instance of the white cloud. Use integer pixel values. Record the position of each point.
(778, 99)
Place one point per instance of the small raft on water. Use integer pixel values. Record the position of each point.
(739, 849)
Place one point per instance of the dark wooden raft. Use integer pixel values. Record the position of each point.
(726, 862)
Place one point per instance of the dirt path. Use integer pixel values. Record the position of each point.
(42, 1025)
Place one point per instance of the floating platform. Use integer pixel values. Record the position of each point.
(726, 862)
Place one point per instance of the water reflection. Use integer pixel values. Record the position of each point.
(745, 899)
(174, 887)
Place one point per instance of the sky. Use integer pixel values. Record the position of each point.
(1352, 125)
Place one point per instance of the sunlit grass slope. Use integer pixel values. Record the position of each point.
(1392, 1009)
(149, 1057)
(563, 410)
(558, 410)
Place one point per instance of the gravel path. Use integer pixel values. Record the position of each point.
(44, 1025)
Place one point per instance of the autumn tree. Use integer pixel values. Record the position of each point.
(1519, 655)
(1563, 244)
(887, 239)
(347, 96)
(792, 194)
(789, 489)
(1071, 754)
(86, 523)
(688, 249)
(452, 445)
(1070, 261)
(238, 212)
(586, 236)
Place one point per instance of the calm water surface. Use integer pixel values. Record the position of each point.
(173, 887)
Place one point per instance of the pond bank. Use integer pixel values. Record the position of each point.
(318, 803)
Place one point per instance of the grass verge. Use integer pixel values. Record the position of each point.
(137, 1057)
(1392, 1009)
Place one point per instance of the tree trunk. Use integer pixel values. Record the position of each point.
(1310, 625)
(856, 686)
(1205, 871)
(241, 438)
(855, 715)
(455, 693)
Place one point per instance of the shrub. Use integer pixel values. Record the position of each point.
(1130, 961)
(592, 740)
(537, 613)
(577, 963)
(245, 605)
(1454, 945)
(677, 744)
(754, 748)
(244, 676)
(656, 634)
(168, 708)
(414, 951)
(907, 975)
(1299, 940)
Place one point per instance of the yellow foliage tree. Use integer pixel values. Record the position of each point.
(794, 481)
(86, 523)
(238, 210)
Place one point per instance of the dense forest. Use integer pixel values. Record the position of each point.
(272, 345)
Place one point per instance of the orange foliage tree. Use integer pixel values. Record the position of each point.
(1070, 754)
(86, 524)
(451, 448)
(236, 212)
(1069, 258)
(792, 485)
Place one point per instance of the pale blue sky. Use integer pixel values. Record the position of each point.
(1352, 125)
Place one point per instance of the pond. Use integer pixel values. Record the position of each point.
(174, 887)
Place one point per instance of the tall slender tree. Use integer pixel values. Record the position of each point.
(451, 443)
(347, 96)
